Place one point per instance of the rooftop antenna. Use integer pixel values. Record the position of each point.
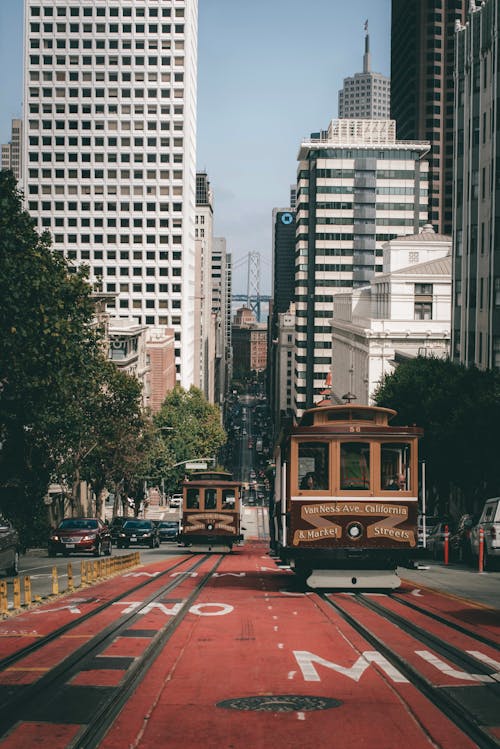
(366, 56)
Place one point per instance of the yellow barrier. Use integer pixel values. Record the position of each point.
(90, 572)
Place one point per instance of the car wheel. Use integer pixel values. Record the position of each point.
(109, 549)
(52, 553)
(152, 544)
(97, 550)
(13, 570)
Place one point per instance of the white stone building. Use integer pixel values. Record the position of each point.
(357, 188)
(109, 156)
(405, 312)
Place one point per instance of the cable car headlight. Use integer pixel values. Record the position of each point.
(210, 527)
(354, 531)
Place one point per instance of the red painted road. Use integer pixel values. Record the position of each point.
(250, 635)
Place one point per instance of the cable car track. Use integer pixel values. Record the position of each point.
(11, 659)
(443, 700)
(448, 622)
(45, 690)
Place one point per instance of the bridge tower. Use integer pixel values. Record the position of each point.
(253, 283)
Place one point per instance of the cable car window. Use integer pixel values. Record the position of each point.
(228, 499)
(210, 499)
(355, 465)
(395, 467)
(193, 499)
(313, 465)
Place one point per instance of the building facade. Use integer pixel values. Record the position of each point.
(110, 150)
(358, 187)
(366, 95)
(476, 201)
(12, 152)
(422, 54)
(204, 324)
(221, 307)
(249, 343)
(405, 312)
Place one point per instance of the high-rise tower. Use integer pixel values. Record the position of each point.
(366, 95)
(422, 49)
(110, 150)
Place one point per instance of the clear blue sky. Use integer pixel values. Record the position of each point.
(269, 75)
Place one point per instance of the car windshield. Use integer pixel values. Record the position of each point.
(76, 524)
(166, 524)
(137, 524)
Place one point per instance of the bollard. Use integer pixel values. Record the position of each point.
(27, 590)
(71, 583)
(55, 582)
(4, 601)
(446, 544)
(481, 550)
(17, 593)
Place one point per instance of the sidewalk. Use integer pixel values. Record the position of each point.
(482, 588)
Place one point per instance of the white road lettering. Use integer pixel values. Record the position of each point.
(229, 574)
(306, 661)
(489, 662)
(454, 673)
(200, 609)
(141, 574)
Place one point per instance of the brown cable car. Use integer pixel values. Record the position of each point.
(211, 512)
(346, 497)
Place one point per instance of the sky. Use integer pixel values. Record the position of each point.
(269, 72)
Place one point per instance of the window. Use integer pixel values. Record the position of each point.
(355, 466)
(192, 499)
(313, 464)
(210, 499)
(228, 499)
(395, 466)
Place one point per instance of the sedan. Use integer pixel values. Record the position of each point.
(9, 548)
(138, 532)
(168, 530)
(435, 540)
(75, 535)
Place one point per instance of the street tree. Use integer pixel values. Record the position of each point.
(459, 410)
(190, 429)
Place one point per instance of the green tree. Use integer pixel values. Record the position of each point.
(459, 410)
(51, 364)
(190, 428)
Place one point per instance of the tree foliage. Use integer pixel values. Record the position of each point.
(459, 410)
(61, 401)
(190, 429)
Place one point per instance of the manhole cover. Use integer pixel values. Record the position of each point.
(280, 703)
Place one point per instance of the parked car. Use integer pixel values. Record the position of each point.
(435, 539)
(460, 546)
(168, 530)
(9, 548)
(489, 521)
(76, 535)
(138, 532)
(115, 527)
(175, 500)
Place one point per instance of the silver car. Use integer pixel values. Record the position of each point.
(489, 521)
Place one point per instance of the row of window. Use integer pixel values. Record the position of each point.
(110, 93)
(114, 239)
(110, 206)
(103, 28)
(100, 142)
(75, 174)
(139, 12)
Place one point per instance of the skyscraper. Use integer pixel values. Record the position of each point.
(357, 187)
(476, 204)
(366, 95)
(12, 152)
(109, 156)
(422, 44)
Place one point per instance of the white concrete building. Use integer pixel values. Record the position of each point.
(357, 188)
(110, 150)
(204, 322)
(365, 95)
(128, 350)
(404, 312)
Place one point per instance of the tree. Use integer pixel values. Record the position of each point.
(459, 410)
(190, 428)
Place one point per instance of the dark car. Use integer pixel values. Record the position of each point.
(76, 535)
(115, 527)
(9, 548)
(168, 530)
(460, 540)
(436, 538)
(138, 532)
